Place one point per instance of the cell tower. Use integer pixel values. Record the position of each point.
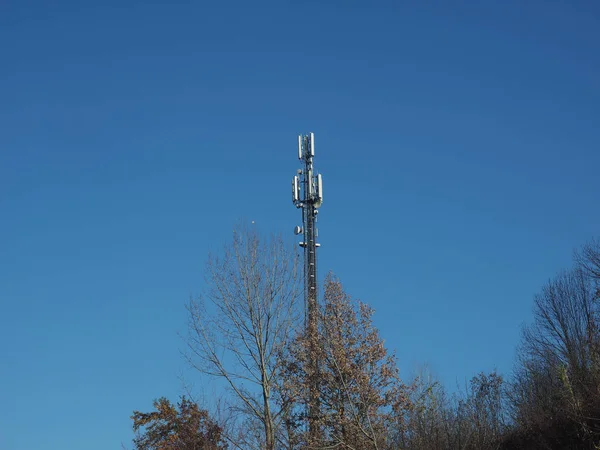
(307, 194)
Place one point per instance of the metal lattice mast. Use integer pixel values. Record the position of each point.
(307, 194)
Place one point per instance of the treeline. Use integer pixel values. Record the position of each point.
(248, 330)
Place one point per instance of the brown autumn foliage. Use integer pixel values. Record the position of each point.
(362, 399)
(183, 426)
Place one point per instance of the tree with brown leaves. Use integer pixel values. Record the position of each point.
(361, 395)
(181, 427)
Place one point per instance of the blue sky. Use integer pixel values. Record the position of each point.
(459, 146)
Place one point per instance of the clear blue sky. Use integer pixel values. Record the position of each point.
(459, 147)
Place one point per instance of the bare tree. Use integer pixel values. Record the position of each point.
(238, 326)
(428, 422)
(588, 258)
(557, 381)
(471, 419)
(484, 411)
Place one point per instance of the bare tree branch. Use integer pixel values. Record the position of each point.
(246, 315)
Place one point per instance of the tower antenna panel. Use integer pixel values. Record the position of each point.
(319, 191)
(295, 190)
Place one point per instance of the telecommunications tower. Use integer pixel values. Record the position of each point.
(307, 194)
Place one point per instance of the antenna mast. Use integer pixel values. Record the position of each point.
(307, 194)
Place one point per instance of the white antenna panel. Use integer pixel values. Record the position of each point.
(295, 189)
(299, 147)
(312, 144)
(320, 187)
